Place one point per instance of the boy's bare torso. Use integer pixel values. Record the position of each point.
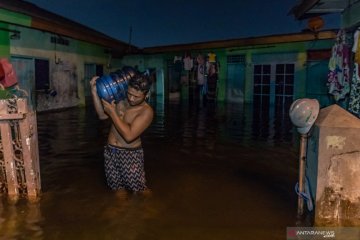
(128, 114)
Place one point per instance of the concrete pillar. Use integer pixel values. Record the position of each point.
(333, 167)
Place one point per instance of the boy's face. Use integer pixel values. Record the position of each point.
(135, 97)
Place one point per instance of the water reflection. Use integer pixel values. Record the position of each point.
(233, 122)
(20, 220)
(220, 171)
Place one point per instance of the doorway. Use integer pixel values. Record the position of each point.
(273, 87)
(25, 72)
(235, 78)
(90, 71)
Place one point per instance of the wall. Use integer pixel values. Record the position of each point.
(4, 41)
(333, 167)
(15, 18)
(153, 62)
(66, 65)
(351, 16)
(5, 18)
(278, 53)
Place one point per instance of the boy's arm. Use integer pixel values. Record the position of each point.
(97, 102)
(129, 131)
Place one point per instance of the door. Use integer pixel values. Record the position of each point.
(273, 87)
(42, 74)
(272, 96)
(284, 87)
(25, 72)
(91, 70)
(235, 78)
(174, 75)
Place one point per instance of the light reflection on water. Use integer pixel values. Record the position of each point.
(235, 122)
(217, 172)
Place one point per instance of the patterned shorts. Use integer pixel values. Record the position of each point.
(124, 168)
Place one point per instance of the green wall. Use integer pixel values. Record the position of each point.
(351, 15)
(283, 52)
(4, 42)
(67, 76)
(15, 18)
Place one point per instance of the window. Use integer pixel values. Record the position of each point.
(42, 80)
(284, 86)
(262, 86)
(59, 40)
(273, 84)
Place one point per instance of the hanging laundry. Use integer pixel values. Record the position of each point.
(356, 46)
(177, 58)
(178, 64)
(354, 103)
(338, 77)
(201, 74)
(200, 59)
(212, 57)
(188, 63)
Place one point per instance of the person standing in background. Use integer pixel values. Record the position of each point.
(212, 80)
(200, 76)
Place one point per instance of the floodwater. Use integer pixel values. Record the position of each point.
(217, 172)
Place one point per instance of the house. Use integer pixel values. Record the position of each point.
(268, 71)
(331, 170)
(54, 57)
(348, 34)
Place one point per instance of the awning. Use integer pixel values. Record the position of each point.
(311, 8)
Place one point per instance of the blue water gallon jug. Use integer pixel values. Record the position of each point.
(113, 87)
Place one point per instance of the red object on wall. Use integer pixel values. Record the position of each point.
(315, 23)
(8, 76)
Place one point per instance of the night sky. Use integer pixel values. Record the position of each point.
(167, 22)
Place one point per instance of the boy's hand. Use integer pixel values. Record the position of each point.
(109, 108)
(93, 83)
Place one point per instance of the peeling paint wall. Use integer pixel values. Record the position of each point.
(333, 167)
(64, 80)
(340, 202)
(335, 142)
(66, 67)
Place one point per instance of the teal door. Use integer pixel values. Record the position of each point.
(25, 72)
(160, 91)
(235, 78)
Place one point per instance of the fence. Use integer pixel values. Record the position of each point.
(19, 154)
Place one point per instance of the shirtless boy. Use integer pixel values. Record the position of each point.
(123, 154)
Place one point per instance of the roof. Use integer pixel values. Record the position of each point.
(311, 8)
(245, 43)
(51, 22)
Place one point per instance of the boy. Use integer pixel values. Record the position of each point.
(123, 155)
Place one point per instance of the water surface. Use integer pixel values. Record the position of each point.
(216, 172)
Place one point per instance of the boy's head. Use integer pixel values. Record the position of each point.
(138, 88)
(140, 82)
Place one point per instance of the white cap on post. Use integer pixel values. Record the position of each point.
(303, 114)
